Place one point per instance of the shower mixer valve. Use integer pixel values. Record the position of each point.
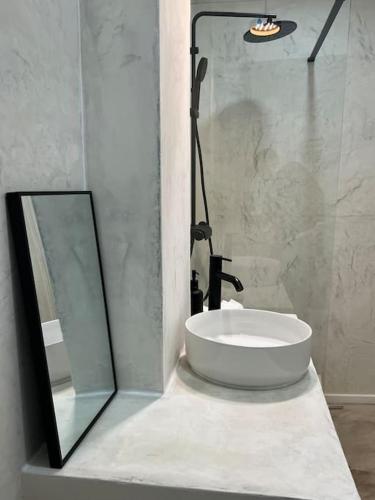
(201, 231)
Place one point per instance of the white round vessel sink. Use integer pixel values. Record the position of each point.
(248, 348)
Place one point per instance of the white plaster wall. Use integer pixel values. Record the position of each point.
(175, 173)
(40, 148)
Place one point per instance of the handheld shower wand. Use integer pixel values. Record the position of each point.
(201, 231)
(199, 77)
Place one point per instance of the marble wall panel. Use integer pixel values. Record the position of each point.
(351, 340)
(357, 175)
(350, 351)
(271, 133)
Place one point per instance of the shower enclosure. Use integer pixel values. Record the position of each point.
(271, 128)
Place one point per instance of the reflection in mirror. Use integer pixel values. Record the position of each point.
(66, 271)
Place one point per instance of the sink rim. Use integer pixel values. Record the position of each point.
(193, 319)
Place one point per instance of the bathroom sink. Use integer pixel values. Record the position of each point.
(248, 348)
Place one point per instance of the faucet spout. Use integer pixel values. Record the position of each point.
(230, 279)
(216, 277)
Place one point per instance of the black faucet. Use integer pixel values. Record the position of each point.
(216, 277)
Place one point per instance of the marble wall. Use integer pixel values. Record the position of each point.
(350, 366)
(271, 132)
(289, 150)
(40, 148)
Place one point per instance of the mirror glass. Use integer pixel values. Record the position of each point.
(66, 269)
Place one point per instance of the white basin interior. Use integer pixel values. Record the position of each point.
(248, 347)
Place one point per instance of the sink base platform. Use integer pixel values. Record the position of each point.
(203, 441)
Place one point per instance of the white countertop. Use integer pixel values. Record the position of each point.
(200, 436)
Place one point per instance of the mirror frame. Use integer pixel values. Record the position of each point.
(33, 323)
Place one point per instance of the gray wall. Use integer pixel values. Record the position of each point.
(120, 61)
(136, 110)
(134, 152)
(40, 148)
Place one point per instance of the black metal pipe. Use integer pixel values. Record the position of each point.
(194, 50)
(327, 26)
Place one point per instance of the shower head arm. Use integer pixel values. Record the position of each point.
(194, 50)
(217, 13)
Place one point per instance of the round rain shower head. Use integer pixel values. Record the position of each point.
(269, 30)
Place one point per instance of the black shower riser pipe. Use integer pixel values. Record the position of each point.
(194, 50)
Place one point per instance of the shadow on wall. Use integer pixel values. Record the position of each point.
(268, 210)
(260, 202)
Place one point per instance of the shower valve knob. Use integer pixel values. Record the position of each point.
(201, 231)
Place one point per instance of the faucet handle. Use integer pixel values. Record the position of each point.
(220, 257)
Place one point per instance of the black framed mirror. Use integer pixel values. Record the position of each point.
(61, 275)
